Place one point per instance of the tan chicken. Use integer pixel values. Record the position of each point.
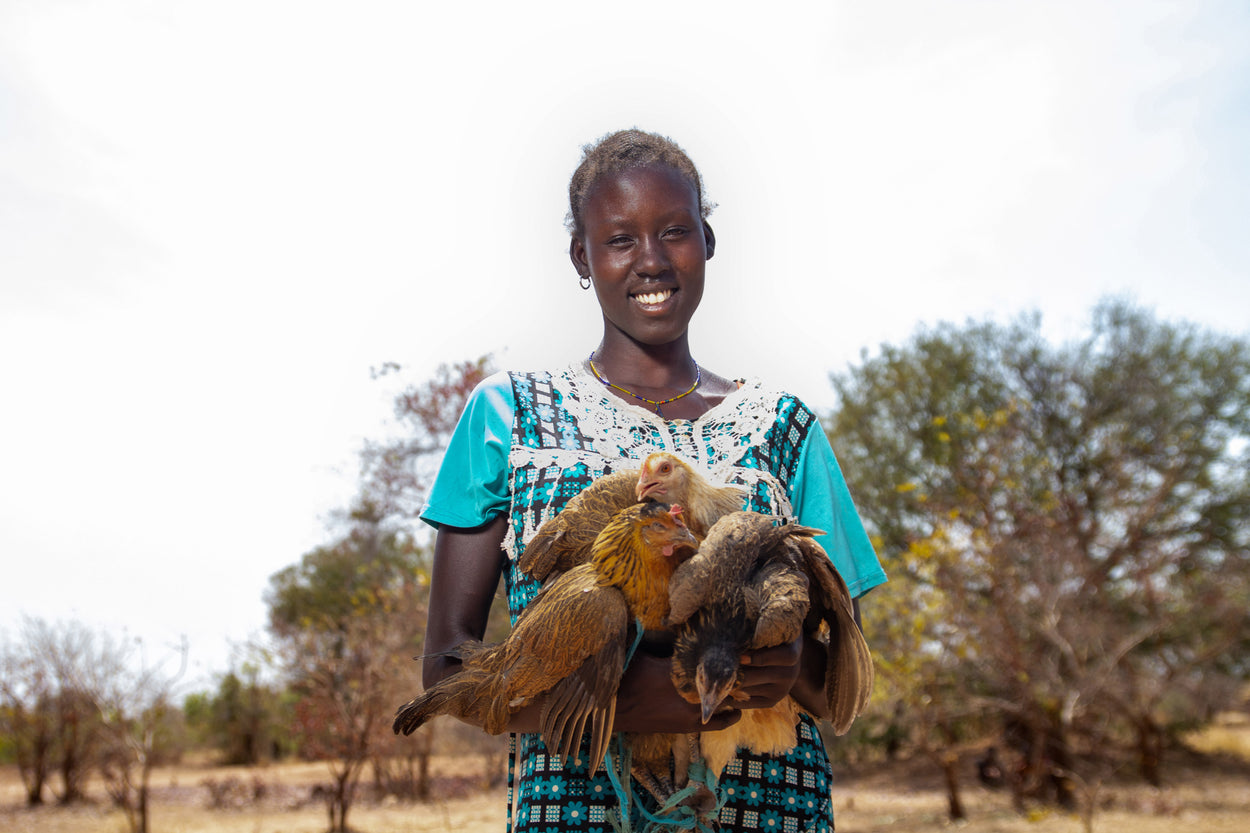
(667, 477)
(756, 584)
(571, 642)
(565, 540)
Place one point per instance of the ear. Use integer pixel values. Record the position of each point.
(710, 236)
(577, 254)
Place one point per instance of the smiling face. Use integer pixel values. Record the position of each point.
(644, 246)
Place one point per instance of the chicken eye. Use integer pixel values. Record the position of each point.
(665, 468)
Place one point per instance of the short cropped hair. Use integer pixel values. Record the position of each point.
(619, 151)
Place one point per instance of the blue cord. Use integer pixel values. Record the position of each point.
(673, 815)
(688, 819)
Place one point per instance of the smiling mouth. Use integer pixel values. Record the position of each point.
(652, 298)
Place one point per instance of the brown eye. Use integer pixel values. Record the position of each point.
(665, 468)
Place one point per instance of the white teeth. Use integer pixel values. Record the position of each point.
(654, 297)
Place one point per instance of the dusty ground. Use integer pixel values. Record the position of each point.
(1204, 795)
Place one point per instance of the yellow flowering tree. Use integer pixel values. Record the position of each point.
(1066, 533)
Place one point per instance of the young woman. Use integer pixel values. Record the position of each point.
(528, 442)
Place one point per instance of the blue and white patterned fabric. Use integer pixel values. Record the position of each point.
(528, 442)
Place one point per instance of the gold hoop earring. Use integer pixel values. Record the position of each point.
(584, 280)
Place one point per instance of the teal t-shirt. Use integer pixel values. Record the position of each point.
(526, 443)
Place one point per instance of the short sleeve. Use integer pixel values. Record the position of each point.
(471, 487)
(821, 500)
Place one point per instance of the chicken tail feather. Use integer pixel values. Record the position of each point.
(464, 695)
(563, 704)
(601, 735)
(848, 670)
(848, 673)
(413, 714)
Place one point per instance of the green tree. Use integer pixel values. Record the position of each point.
(343, 618)
(240, 720)
(1065, 527)
(349, 617)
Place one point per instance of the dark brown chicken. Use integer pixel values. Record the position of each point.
(571, 642)
(755, 584)
(565, 540)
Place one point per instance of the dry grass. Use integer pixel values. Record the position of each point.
(264, 799)
(1204, 794)
(1230, 735)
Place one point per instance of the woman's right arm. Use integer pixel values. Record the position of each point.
(467, 567)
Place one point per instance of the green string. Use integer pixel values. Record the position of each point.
(674, 815)
(685, 817)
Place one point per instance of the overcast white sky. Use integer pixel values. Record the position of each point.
(215, 218)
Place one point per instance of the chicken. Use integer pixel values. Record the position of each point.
(848, 662)
(571, 643)
(669, 478)
(755, 584)
(565, 540)
(658, 762)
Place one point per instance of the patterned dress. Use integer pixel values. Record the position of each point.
(528, 442)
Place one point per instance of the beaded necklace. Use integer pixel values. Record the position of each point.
(698, 376)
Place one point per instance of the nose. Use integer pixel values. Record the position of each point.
(652, 257)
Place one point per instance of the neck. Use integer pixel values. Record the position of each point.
(628, 362)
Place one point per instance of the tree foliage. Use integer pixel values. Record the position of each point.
(397, 472)
(142, 728)
(1065, 528)
(46, 708)
(343, 618)
(350, 615)
(75, 701)
(241, 720)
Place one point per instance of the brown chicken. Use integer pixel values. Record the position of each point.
(565, 541)
(571, 642)
(755, 584)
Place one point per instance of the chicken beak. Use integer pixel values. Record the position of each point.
(683, 542)
(710, 694)
(683, 539)
(646, 487)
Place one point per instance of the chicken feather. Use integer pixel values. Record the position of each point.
(755, 583)
(565, 540)
(571, 642)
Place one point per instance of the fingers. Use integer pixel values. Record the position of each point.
(788, 654)
(721, 720)
(647, 701)
(768, 675)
